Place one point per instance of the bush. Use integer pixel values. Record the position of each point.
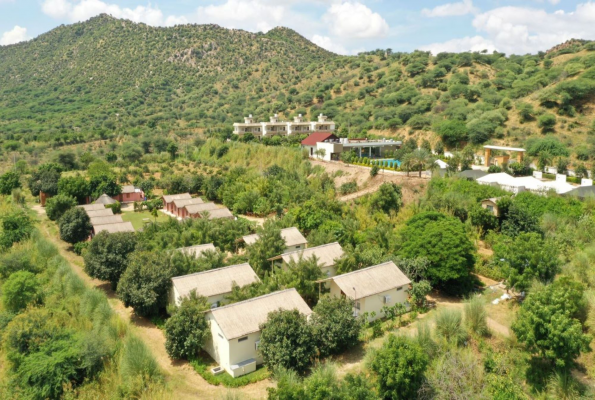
(17, 226)
(400, 365)
(75, 225)
(8, 182)
(20, 290)
(348, 187)
(476, 317)
(374, 171)
(286, 341)
(335, 327)
(546, 122)
(56, 206)
(187, 329)
(137, 366)
(449, 326)
(116, 207)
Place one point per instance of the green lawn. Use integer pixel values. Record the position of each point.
(137, 218)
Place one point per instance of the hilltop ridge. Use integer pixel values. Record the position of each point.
(107, 77)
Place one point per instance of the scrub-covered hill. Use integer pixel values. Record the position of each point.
(107, 77)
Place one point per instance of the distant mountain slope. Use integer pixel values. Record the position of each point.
(109, 70)
(107, 77)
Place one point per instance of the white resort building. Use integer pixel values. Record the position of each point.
(277, 127)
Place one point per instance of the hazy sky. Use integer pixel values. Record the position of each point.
(342, 26)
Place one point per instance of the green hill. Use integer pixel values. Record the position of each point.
(113, 78)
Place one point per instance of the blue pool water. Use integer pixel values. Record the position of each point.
(391, 163)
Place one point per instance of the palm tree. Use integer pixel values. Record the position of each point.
(420, 160)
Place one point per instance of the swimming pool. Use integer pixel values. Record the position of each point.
(387, 162)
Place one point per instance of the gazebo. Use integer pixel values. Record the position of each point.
(488, 153)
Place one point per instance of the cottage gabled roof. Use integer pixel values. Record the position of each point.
(240, 319)
(130, 189)
(317, 137)
(197, 208)
(105, 200)
(91, 207)
(168, 198)
(180, 203)
(372, 280)
(104, 212)
(113, 228)
(107, 219)
(292, 237)
(197, 250)
(217, 213)
(326, 254)
(215, 281)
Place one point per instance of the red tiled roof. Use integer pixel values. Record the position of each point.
(317, 137)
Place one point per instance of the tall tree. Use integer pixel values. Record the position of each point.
(286, 341)
(107, 255)
(551, 322)
(75, 226)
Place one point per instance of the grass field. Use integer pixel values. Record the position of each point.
(137, 218)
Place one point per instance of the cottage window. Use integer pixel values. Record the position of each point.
(357, 305)
(256, 345)
(399, 288)
(297, 247)
(220, 335)
(386, 299)
(243, 339)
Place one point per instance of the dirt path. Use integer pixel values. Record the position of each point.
(184, 382)
(412, 186)
(447, 302)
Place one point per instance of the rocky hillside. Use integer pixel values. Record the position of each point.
(108, 77)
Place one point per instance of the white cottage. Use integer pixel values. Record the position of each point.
(373, 288)
(294, 240)
(215, 284)
(327, 255)
(235, 329)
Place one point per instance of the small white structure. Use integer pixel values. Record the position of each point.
(520, 184)
(294, 240)
(197, 250)
(235, 329)
(326, 256)
(373, 288)
(277, 127)
(214, 284)
(441, 164)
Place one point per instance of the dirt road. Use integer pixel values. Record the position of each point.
(184, 382)
(412, 186)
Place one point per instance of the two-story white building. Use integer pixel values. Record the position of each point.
(277, 127)
(235, 329)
